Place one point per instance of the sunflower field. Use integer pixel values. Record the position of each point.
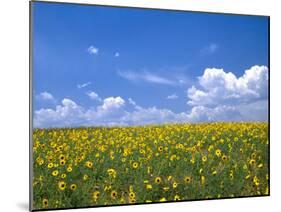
(95, 166)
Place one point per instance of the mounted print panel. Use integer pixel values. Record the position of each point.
(134, 105)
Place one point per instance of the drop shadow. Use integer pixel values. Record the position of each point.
(23, 206)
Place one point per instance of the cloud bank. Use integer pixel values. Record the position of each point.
(218, 96)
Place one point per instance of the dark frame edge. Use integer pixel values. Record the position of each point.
(269, 69)
(145, 8)
(30, 106)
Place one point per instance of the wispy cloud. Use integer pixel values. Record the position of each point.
(83, 85)
(147, 77)
(93, 50)
(210, 49)
(173, 96)
(117, 54)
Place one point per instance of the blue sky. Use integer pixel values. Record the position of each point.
(155, 58)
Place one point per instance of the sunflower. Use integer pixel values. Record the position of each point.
(69, 169)
(50, 165)
(85, 177)
(62, 185)
(55, 173)
(254, 155)
(177, 198)
(132, 200)
(187, 179)
(135, 165)
(63, 176)
(62, 157)
(132, 195)
(256, 181)
(62, 162)
(148, 186)
(224, 157)
(158, 180)
(45, 203)
(204, 158)
(218, 152)
(175, 185)
(73, 187)
(163, 199)
(113, 194)
(260, 165)
(160, 149)
(96, 195)
(89, 164)
(203, 179)
(252, 162)
(112, 172)
(41, 162)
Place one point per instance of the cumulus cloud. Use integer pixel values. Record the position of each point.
(93, 50)
(94, 96)
(218, 113)
(226, 97)
(219, 96)
(172, 96)
(108, 113)
(46, 96)
(69, 114)
(220, 87)
(83, 85)
(66, 114)
(111, 103)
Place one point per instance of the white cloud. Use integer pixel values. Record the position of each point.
(219, 96)
(150, 115)
(147, 77)
(210, 49)
(66, 114)
(172, 96)
(218, 113)
(132, 102)
(117, 54)
(45, 96)
(83, 85)
(69, 114)
(220, 87)
(109, 112)
(93, 50)
(225, 97)
(112, 103)
(94, 96)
